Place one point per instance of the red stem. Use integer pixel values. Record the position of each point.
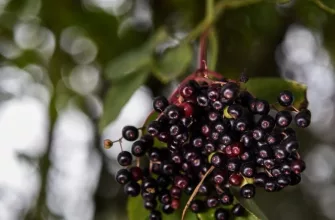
(203, 51)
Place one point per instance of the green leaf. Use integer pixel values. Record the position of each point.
(173, 63)
(131, 61)
(136, 210)
(119, 94)
(128, 63)
(268, 88)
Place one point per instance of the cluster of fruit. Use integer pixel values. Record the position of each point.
(212, 136)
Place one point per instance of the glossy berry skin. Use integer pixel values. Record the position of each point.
(270, 185)
(154, 128)
(164, 197)
(130, 133)
(150, 204)
(290, 144)
(238, 210)
(148, 140)
(155, 215)
(123, 176)
(124, 158)
(181, 181)
(298, 166)
(283, 119)
(160, 103)
(219, 176)
(197, 206)
(167, 209)
(248, 170)
(260, 179)
(233, 164)
(187, 109)
(229, 92)
(235, 110)
(212, 202)
(218, 159)
(285, 98)
(188, 90)
(248, 191)
(266, 122)
(235, 179)
(303, 118)
(262, 107)
(221, 214)
(173, 112)
(175, 192)
(139, 148)
(226, 198)
(132, 189)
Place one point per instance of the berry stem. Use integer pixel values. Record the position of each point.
(203, 51)
(196, 191)
(138, 162)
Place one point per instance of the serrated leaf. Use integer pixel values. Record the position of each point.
(136, 210)
(268, 88)
(118, 95)
(128, 63)
(173, 63)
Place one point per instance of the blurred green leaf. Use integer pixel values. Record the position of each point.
(173, 63)
(119, 93)
(128, 63)
(268, 88)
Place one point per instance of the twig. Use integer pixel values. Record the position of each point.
(321, 5)
(196, 191)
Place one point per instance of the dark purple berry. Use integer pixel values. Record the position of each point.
(150, 204)
(248, 170)
(266, 122)
(124, 158)
(248, 191)
(221, 214)
(238, 210)
(298, 166)
(202, 100)
(197, 206)
(303, 118)
(130, 133)
(218, 160)
(155, 215)
(235, 110)
(212, 202)
(226, 198)
(181, 181)
(132, 189)
(283, 119)
(167, 209)
(270, 185)
(154, 128)
(123, 176)
(173, 112)
(285, 98)
(175, 192)
(260, 179)
(229, 92)
(160, 103)
(262, 107)
(139, 148)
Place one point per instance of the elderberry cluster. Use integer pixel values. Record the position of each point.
(218, 134)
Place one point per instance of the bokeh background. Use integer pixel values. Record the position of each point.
(59, 97)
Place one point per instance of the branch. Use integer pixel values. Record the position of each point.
(321, 5)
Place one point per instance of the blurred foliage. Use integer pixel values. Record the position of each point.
(241, 38)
